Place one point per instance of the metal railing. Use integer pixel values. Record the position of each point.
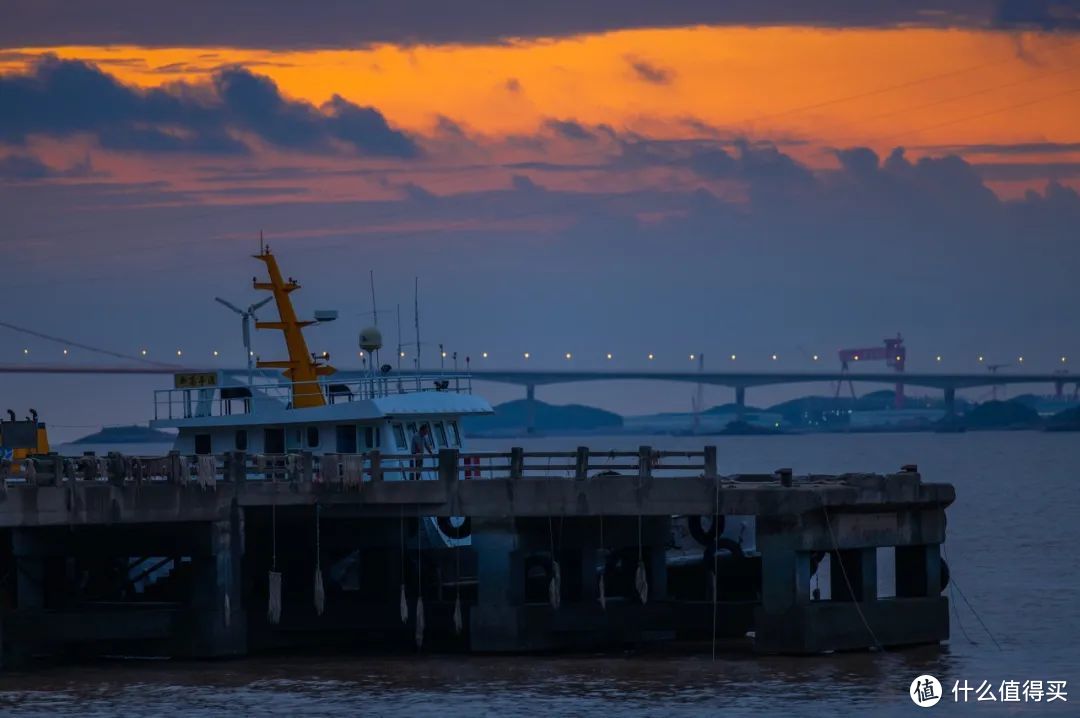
(244, 398)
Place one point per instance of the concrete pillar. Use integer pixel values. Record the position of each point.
(530, 407)
(740, 400)
(950, 401)
(219, 627)
(500, 571)
(29, 569)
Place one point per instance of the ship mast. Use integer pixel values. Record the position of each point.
(301, 368)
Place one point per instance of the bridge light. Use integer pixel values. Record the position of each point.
(897, 357)
(179, 353)
(569, 355)
(484, 355)
(361, 354)
(65, 352)
(401, 354)
(938, 358)
(444, 355)
(143, 352)
(815, 357)
(526, 355)
(980, 358)
(774, 357)
(1064, 359)
(856, 357)
(691, 357)
(215, 352)
(1020, 360)
(250, 353)
(609, 355)
(25, 351)
(732, 357)
(651, 357)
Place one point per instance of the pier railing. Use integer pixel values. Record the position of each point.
(353, 469)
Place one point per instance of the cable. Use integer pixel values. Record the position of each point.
(87, 347)
(847, 581)
(952, 582)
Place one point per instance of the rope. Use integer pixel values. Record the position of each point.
(847, 581)
(419, 580)
(320, 591)
(555, 584)
(716, 549)
(956, 607)
(952, 582)
(603, 570)
(404, 601)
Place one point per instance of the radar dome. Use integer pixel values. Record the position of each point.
(371, 339)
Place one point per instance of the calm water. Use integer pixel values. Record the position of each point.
(1013, 549)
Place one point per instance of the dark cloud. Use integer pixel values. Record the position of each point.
(651, 73)
(1018, 148)
(568, 129)
(512, 85)
(1027, 171)
(1039, 14)
(64, 97)
(328, 23)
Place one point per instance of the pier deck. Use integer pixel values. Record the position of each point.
(187, 541)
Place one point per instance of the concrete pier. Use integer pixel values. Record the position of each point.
(146, 557)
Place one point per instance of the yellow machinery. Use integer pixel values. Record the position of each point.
(21, 439)
(301, 368)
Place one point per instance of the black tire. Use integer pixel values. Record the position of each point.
(464, 530)
(697, 529)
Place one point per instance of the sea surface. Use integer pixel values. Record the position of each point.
(1013, 547)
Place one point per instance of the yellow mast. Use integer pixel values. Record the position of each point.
(301, 368)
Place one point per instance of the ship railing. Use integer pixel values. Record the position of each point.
(344, 471)
(198, 402)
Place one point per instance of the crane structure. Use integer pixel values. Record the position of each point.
(892, 352)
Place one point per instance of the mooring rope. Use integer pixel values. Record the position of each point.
(952, 583)
(716, 549)
(320, 591)
(458, 623)
(419, 580)
(273, 607)
(555, 584)
(847, 581)
(603, 569)
(404, 601)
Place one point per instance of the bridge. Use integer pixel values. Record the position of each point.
(740, 381)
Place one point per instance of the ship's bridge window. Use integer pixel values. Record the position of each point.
(455, 434)
(274, 441)
(440, 434)
(372, 437)
(202, 444)
(312, 437)
(346, 438)
(241, 440)
(399, 437)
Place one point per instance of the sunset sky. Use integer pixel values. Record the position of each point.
(632, 177)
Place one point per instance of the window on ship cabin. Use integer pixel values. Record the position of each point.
(369, 438)
(346, 438)
(399, 437)
(240, 442)
(274, 441)
(312, 437)
(454, 433)
(202, 444)
(440, 434)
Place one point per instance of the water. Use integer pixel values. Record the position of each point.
(1013, 540)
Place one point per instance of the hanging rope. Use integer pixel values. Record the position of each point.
(419, 584)
(273, 608)
(712, 573)
(641, 581)
(847, 581)
(952, 583)
(458, 624)
(555, 585)
(404, 601)
(603, 570)
(320, 593)
(227, 618)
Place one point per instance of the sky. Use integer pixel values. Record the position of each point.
(740, 178)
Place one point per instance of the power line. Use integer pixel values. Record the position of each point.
(87, 347)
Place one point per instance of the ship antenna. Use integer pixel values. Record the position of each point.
(262, 250)
(399, 338)
(416, 322)
(374, 306)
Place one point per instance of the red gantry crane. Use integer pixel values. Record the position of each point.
(893, 353)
